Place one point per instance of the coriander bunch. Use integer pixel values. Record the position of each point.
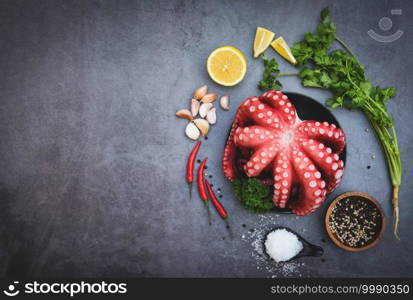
(341, 73)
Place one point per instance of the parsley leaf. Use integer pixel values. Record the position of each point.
(255, 196)
(269, 78)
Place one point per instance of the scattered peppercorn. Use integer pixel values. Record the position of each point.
(355, 221)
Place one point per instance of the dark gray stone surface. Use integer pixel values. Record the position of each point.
(92, 156)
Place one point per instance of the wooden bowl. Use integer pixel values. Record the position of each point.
(333, 237)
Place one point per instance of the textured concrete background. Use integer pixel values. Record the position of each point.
(92, 156)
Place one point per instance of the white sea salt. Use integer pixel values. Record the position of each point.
(256, 239)
(282, 245)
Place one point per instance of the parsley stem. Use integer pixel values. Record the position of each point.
(289, 74)
(390, 148)
(344, 45)
(392, 153)
(396, 211)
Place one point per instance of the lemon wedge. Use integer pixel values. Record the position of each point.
(282, 49)
(227, 66)
(263, 38)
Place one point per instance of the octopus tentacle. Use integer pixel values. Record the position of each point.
(328, 163)
(254, 136)
(324, 132)
(228, 161)
(260, 160)
(312, 189)
(283, 178)
(260, 113)
(265, 113)
(281, 104)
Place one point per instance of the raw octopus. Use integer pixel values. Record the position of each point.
(299, 158)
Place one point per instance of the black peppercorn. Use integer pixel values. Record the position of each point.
(355, 221)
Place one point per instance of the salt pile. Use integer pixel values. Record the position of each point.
(256, 239)
(282, 245)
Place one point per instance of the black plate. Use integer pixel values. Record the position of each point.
(309, 109)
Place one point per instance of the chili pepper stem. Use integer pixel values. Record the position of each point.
(231, 235)
(190, 189)
(209, 211)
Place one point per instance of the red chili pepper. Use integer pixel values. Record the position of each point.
(220, 208)
(218, 205)
(201, 187)
(190, 167)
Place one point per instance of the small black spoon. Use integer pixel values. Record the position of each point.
(308, 248)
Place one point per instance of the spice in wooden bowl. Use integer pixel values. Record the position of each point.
(355, 221)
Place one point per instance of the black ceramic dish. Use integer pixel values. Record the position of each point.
(309, 109)
(308, 248)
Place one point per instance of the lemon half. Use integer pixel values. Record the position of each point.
(263, 38)
(227, 66)
(282, 48)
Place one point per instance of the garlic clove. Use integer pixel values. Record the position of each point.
(202, 125)
(199, 93)
(195, 107)
(203, 110)
(192, 131)
(212, 116)
(224, 102)
(184, 114)
(208, 98)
